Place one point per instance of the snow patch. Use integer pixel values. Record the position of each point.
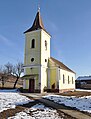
(10, 90)
(83, 90)
(38, 111)
(10, 100)
(81, 103)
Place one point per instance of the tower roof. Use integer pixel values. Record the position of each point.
(37, 24)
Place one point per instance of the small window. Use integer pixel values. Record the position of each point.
(63, 79)
(32, 59)
(45, 60)
(33, 43)
(68, 80)
(45, 45)
(72, 80)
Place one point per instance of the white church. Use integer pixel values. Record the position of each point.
(41, 71)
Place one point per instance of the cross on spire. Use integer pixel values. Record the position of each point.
(38, 8)
(39, 1)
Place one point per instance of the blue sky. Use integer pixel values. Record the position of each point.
(68, 22)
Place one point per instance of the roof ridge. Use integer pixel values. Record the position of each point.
(63, 66)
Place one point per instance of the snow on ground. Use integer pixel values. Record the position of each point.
(10, 90)
(10, 100)
(83, 90)
(81, 103)
(38, 111)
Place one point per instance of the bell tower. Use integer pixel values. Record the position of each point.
(37, 53)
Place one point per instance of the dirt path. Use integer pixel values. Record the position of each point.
(67, 110)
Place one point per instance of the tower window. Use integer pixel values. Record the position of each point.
(45, 60)
(33, 43)
(32, 59)
(45, 45)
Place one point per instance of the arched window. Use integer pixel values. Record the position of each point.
(72, 80)
(33, 43)
(68, 80)
(45, 60)
(63, 79)
(45, 45)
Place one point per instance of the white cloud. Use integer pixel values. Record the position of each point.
(53, 26)
(5, 40)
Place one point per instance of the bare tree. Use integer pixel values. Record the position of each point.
(3, 79)
(17, 71)
(3, 76)
(0, 69)
(8, 68)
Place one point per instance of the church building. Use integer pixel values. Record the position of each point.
(41, 71)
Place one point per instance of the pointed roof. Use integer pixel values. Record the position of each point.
(37, 24)
(61, 65)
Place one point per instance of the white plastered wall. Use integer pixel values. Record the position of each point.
(45, 54)
(66, 74)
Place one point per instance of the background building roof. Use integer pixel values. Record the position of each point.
(84, 78)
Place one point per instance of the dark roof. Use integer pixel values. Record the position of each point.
(37, 24)
(84, 78)
(61, 65)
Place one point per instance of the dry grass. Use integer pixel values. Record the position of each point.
(10, 112)
(75, 93)
(9, 83)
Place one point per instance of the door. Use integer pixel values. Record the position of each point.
(31, 85)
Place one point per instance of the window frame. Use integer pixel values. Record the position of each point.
(63, 79)
(68, 80)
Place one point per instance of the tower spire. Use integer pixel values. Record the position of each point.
(37, 24)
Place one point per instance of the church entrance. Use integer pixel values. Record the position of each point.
(31, 85)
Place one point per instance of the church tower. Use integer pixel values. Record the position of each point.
(37, 53)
